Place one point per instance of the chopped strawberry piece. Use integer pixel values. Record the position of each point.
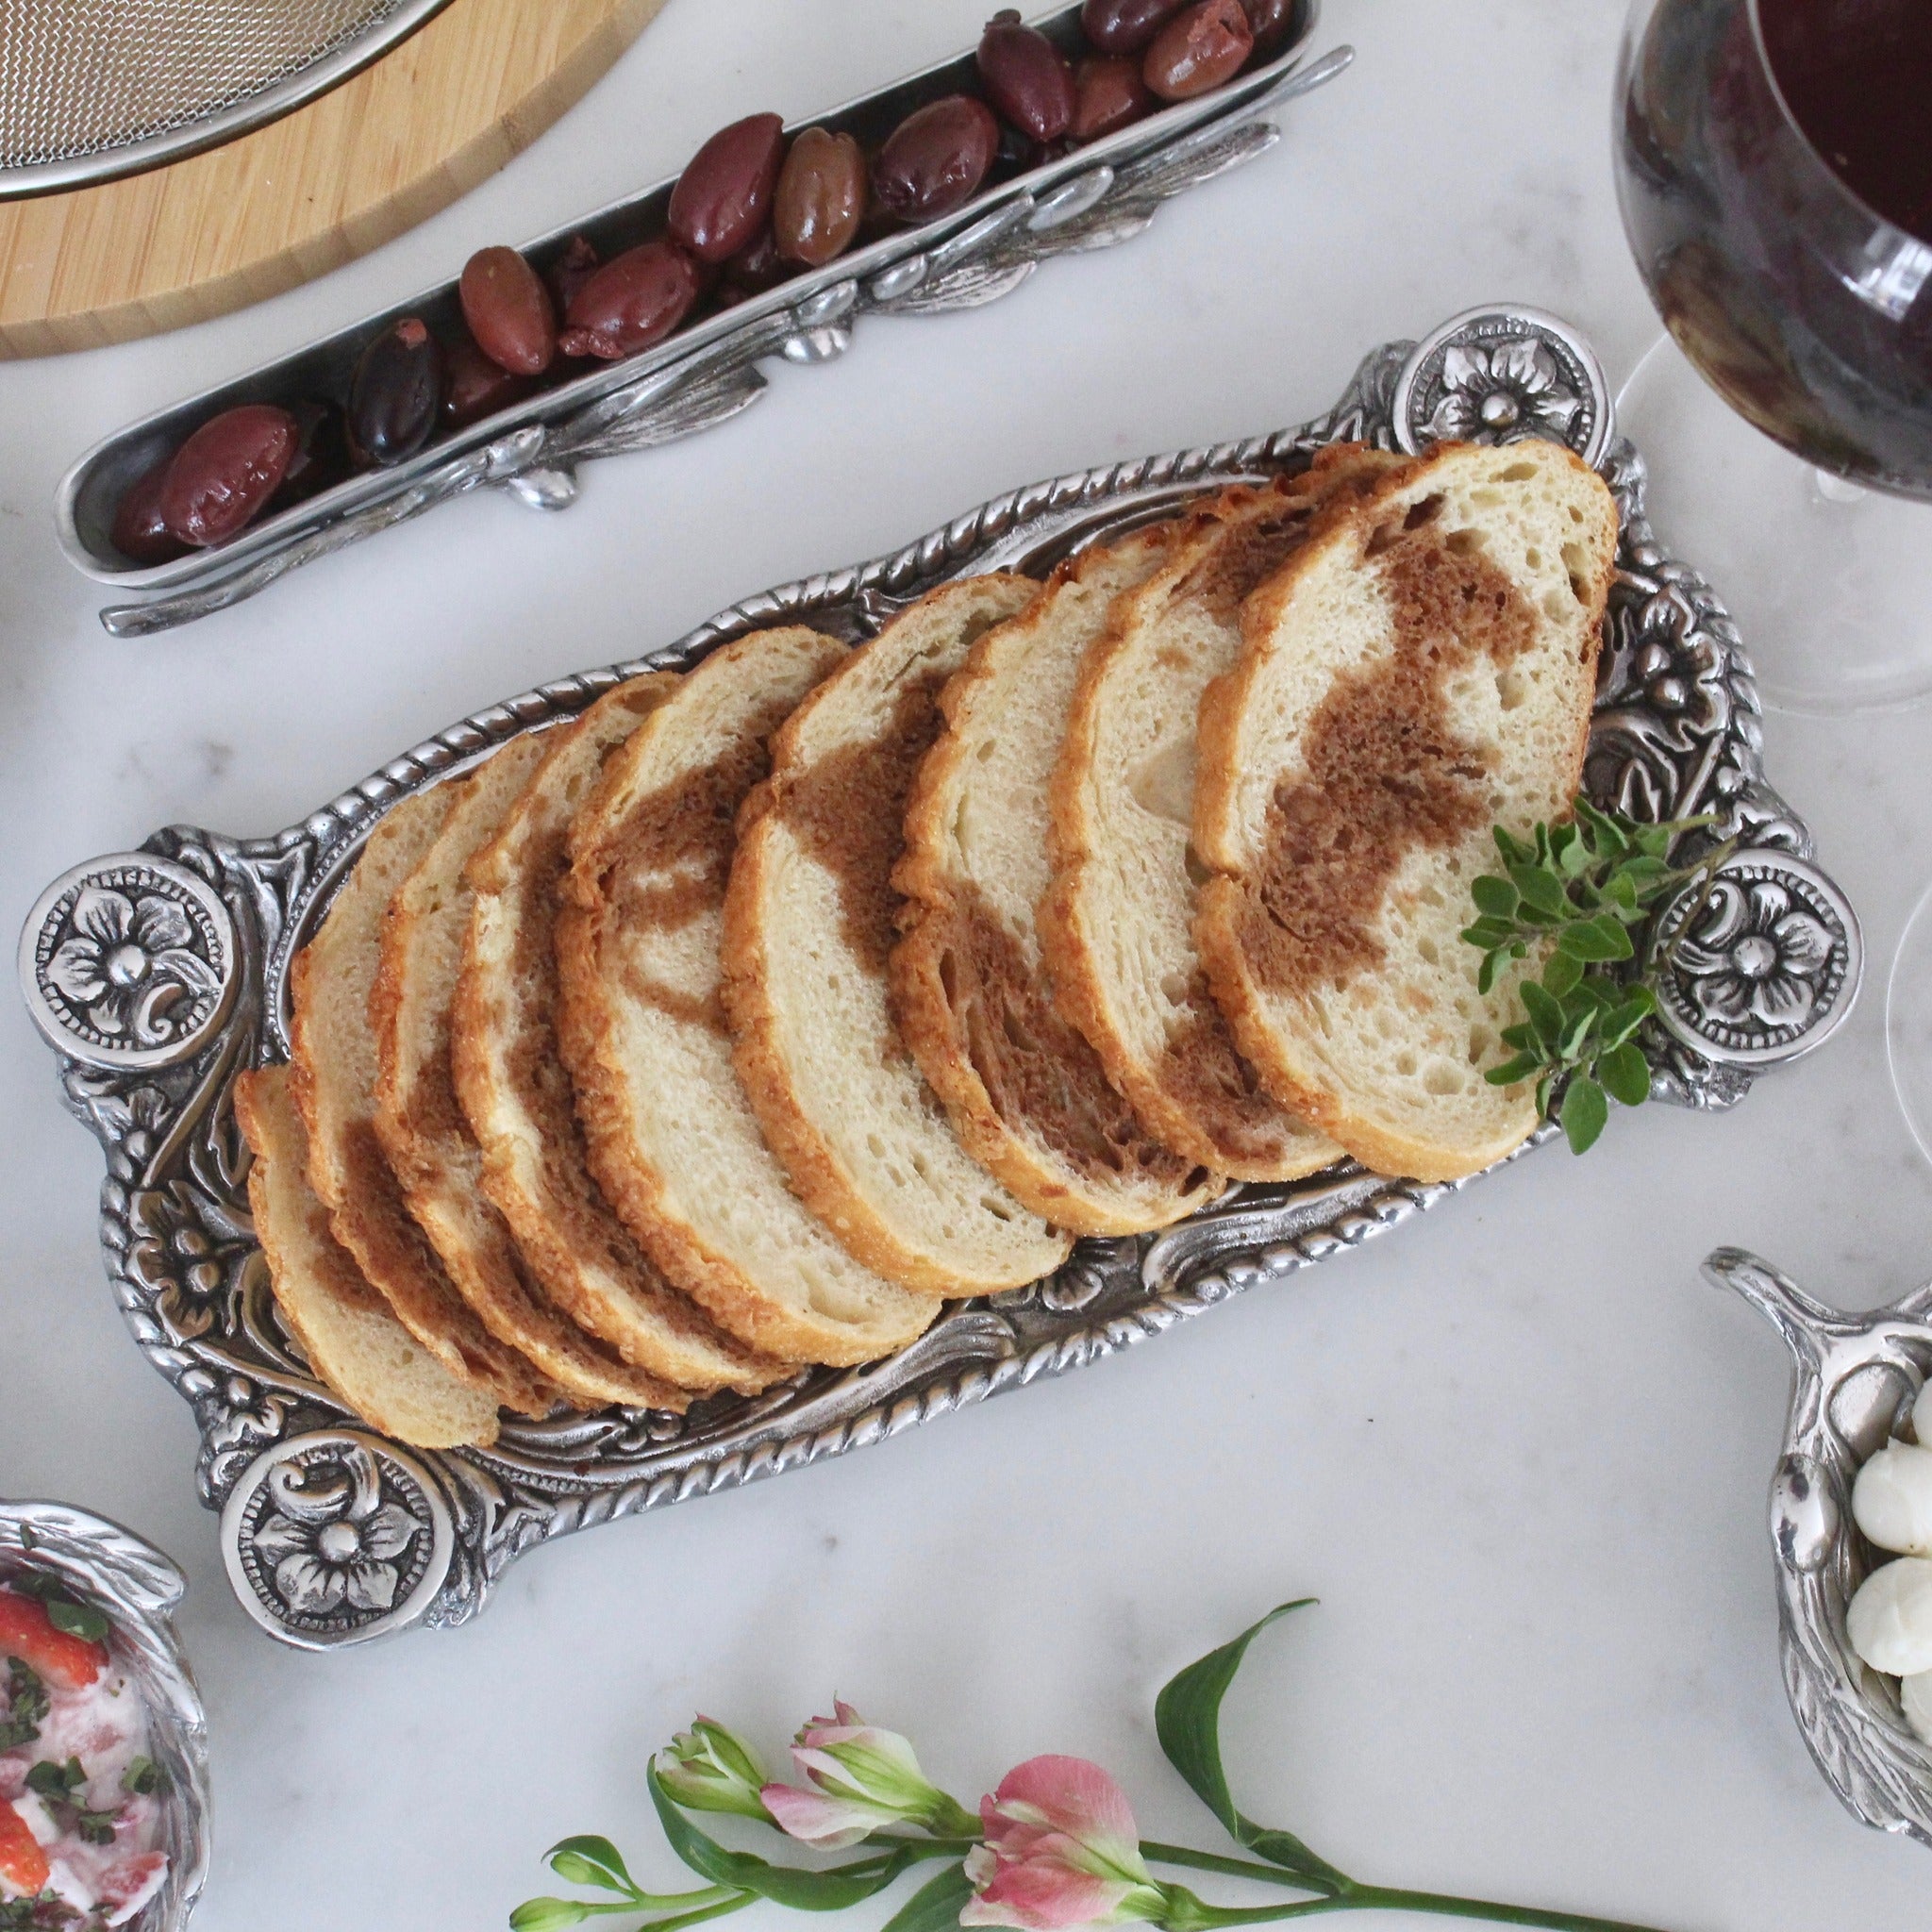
(23, 1864)
(128, 1885)
(28, 1632)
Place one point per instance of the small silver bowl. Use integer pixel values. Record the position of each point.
(1853, 1382)
(136, 1588)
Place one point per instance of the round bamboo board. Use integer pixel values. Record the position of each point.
(439, 112)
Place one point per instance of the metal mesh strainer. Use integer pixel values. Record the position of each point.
(90, 88)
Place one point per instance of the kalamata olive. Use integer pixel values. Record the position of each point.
(1015, 154)
(635, 299)
(1271, 23)
(223, 474)
(137, 532)
(1197, 50)
(322, 453)
(1125, 26)
(1109, 93)
(724, 194)
(752, 271)
(395, 393)
(820, 200)
(935, 159)
(476, 387)
(509, 310)
(579, 263)
(1026, 76)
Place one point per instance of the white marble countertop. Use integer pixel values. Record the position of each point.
(1518, 1450)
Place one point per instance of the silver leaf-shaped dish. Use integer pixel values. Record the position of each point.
(1677, 734)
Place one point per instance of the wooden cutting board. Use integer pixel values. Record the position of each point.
(436, 114)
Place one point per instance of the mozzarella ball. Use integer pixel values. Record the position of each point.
(1892, 1499)
(1915, 1693)
(1890, 1619)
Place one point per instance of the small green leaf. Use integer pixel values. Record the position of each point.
(1512, 1070)
(1539, 891)
(1542, 1092)
(1489, 933)
(936, 1906)
(1576, 1032)
(143, 1777)
(1596, 940)
(829, 1890)
(1625, 1073)
(1521, 1035)
(1545, 1014)
(1486, 973)
(548, 1914)
(1494, 896)
(77, 1620)
(1585, 1112)
(1186, 1720)
(1622, 1022)
(1561, 975)
(1653, 842)
(591, 1861)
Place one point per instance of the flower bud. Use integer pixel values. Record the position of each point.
(862, 1779)
(709, 1768)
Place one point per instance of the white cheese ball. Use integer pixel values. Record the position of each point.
(1915, 1693)
(1892, 1499)
(1890, 1619)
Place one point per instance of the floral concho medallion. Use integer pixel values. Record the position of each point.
(336, 1535)
(128, 961)
(332, 1535)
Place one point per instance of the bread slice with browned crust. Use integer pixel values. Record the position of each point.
(1418, 673)
(333, 1075)
(353, 1341)
(1026, 1093)
(431, 1151)
(517, 1096)
(672, 1138)
(1117, 926)
(809, 922)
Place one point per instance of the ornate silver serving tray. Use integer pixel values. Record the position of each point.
(160, 974)
(1103, 194)
(137, 1590)
(1853, 1380)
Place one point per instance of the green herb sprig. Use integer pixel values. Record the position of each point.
(75, 1618)
(26, 1706)
(64, 1787)
(1576, 894)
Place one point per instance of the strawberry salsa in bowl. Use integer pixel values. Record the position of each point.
(101, 1763)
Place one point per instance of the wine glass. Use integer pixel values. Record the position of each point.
(1775, 168)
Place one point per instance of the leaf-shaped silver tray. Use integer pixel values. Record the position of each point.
(1102, 192)
(1854, 1381)
(138, 1590)
(200, 929)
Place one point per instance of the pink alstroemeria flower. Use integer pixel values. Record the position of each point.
(1061, 1849)
(862, 1779)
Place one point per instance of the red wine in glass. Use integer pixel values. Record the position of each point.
(1774, 167)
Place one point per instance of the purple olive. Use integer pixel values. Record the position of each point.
(1026, 76)
(225, 472)
(1125, 26)
(322, 453)
(723, 197)
(1272, 22)
(137, 532)
(935, 159)
(579, 263)
(477, 386)
(1108, 95)
(1197, 50)
(634, 300)
(509, 310)
(395, 393)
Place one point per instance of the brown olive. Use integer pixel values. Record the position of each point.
(395, 393)
(634, 300)
(1109, 93)
(724, 194)
(321, 454)
(509, 310)
(223, 474)
(1271, 21)
(477, 386)
(1125, 26)
(820, 199)
(579, 263)
(1026, 76)
(1197, 50)
(935, 159)
(137, 532)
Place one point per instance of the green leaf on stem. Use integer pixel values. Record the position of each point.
(1625, 1073)
(935, 1907)
(1585, 1114)
(829, 1890)
(591, 1861)
(1186, 1720)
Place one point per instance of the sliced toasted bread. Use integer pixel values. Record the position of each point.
(809, 922)
(333, 1075)
(1117, 926)
(1026, 1093)
(517, 1096)
(431, 1151)
(672, 1138)
(346, 1328)
(1418, 673)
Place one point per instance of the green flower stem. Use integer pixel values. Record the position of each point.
(657, 1901)
(731, 1901)
(1382, 1898)
(1233, 1868)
